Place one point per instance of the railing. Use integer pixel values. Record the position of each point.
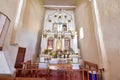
(20, 78)
(93, 72)
(90, 65)
(90, 73)
(81, 74)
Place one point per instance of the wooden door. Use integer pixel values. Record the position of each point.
(20, 57)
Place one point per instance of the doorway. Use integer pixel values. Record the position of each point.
(20, 57)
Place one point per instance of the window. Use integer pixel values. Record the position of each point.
(3, 21)
(81, 33)
(4, 24)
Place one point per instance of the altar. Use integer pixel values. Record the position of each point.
(59, 42)
(75, 62)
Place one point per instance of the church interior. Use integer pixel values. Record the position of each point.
(59, 39)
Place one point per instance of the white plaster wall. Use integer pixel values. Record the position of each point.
(29, 36)
(9, 7)
(4, 68)
(84, 18)
(110, 24)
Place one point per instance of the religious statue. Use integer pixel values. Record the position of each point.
(55, 26)
(64, 27)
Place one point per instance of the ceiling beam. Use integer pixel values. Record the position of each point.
(59, 6)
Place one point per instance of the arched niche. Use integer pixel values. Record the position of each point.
(59, 45)
(66, 43)
(64, 27)
(50, 43)
(55, 26)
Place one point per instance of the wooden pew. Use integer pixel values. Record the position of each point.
(60, 71)
(33, 73)
(6, 78)
(90, 65)
(23, 78)
(93, 69)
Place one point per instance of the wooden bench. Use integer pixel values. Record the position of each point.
(92, 68)
(23, 78)
(6, 78)
(90, 65)
(19, 78)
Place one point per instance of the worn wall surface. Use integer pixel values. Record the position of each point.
(110, 24)
(84, 18)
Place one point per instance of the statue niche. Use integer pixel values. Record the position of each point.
(59, 44)
(50, 43)
(64, 27)
(54, 28)
(67, 43)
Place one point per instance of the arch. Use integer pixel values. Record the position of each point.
(3, 21)
(59, 45)
(4, 26)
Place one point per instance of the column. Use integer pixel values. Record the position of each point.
(43, 44)
(63, 44)
(55, 40)
(74, 42)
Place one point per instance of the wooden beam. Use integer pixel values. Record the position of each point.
(60, 6)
